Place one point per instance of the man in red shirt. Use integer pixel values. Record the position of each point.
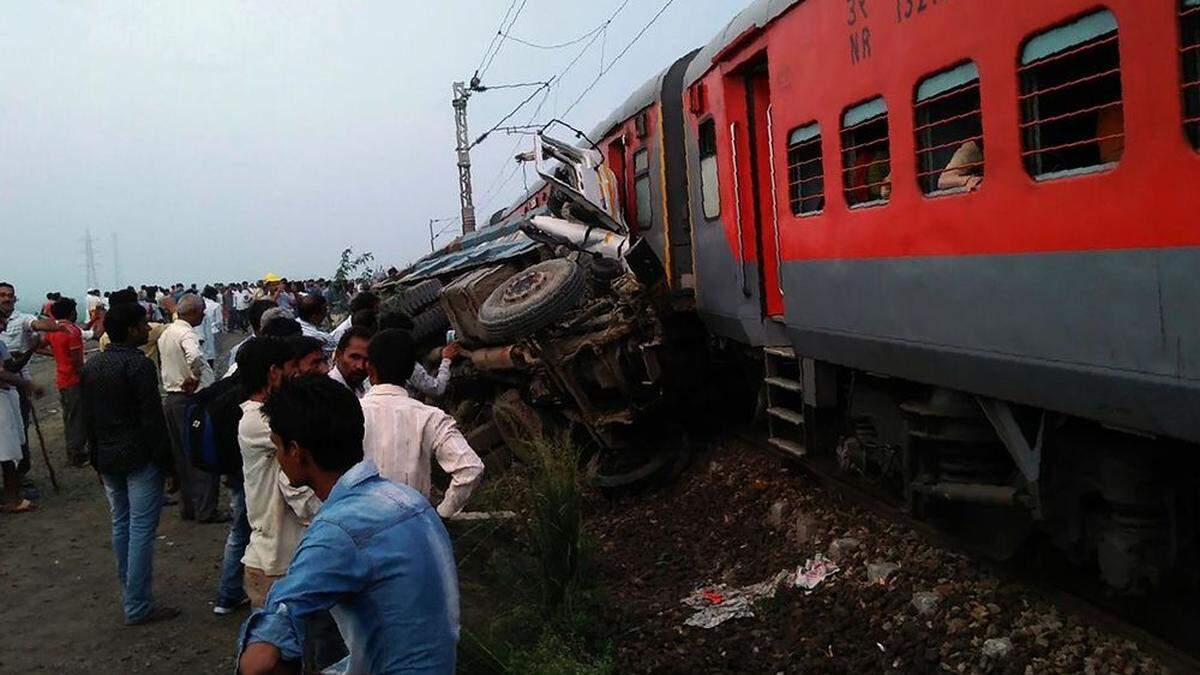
(67, 347)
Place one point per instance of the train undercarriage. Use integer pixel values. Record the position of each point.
(994, 473)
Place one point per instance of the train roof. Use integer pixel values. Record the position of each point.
(641, 98)
(757, 15)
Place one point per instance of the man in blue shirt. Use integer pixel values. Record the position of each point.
(376, 556)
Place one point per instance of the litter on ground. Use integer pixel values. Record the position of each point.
(717, 604)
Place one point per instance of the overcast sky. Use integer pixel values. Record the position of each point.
(222, 139)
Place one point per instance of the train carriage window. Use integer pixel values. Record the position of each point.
(1189, 25)
(641, 189)
(866, 158)
(949, 131)
(709, 188)
(806, 175)
(1072, 120)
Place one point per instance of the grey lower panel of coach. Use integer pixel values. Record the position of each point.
(1112, 336)
(728, 293)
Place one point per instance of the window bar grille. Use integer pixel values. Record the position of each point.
(1033, 125)
(1189, 54)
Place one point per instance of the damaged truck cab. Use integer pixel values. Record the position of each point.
(562, 311)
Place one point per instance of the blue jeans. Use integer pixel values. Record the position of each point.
(230, 592)
(135, 501)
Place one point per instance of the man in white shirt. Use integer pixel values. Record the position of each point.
(311, 310)
(350, 360)
(211, 326)
(241, 303)
(420, 381)
(403, 435)
(21, 337)
(427, 385)
(95, 303)
(185, 371)
(363, 301)
(278, 512)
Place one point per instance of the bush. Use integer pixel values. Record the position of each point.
(556, 525)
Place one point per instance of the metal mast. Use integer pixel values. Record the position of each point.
(89, 260)
(464, 157)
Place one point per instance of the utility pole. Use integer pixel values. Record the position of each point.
(89, 261)
(464, 158)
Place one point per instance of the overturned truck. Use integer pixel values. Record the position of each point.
(564, 319)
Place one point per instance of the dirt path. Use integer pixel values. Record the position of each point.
(61, 602)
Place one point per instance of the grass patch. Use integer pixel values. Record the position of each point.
(528, 606)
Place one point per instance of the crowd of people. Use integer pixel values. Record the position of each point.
(319, 431)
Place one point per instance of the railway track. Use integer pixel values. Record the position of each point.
(1166, 631)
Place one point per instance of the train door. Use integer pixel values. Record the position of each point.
(755, 184)
(616, 161)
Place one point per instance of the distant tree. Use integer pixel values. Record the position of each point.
(359, 267)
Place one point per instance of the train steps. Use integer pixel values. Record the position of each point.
(785, 401)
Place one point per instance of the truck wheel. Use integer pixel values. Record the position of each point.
(518, 424)
(430, 323)
(417, 297)
(532, 299)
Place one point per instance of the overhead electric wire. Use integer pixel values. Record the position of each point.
(515, 85)
(500, 39)
(555, 81)
(497, 125)
(503, 177)
(495, 38)
(500, 179)
(616, 58)
(560, 45)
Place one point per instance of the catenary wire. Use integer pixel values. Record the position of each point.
(616, 58)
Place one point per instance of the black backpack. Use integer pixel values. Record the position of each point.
(211, 420)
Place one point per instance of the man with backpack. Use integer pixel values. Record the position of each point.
(211, 418)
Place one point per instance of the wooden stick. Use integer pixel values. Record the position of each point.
(41, 439)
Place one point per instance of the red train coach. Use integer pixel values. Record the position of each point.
(974, 224)
(643, 143)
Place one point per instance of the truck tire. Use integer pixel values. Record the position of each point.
(430, 323)
(418, 297)
(532, 299)
(519, 425)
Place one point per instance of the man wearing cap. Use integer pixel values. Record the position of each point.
(268, 288)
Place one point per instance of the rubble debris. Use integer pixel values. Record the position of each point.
(806, 529)
(715, 525)
(879, 573)
(717, 604)
(840, 549)
(472, 516)
(926, 602)
(775, 515)
(997, 648)
(816, 569)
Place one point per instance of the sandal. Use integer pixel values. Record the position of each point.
(23, 506)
